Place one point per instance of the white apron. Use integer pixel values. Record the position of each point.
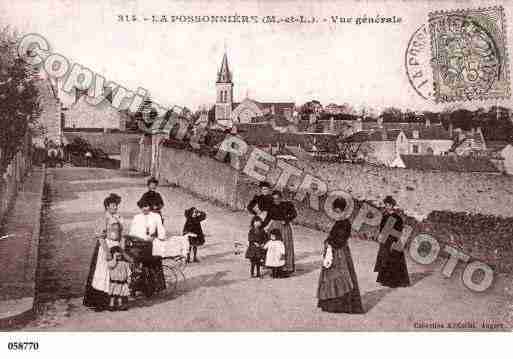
(101, 278)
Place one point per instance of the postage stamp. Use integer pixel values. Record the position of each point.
(469, 54)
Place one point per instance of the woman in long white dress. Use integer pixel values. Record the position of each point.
(147, 226)
(98, 281)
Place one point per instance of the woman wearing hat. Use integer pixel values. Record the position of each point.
(391, 263)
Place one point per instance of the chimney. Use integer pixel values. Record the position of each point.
(415, 134)
(332, 125)
(450, 130)
(428, 122)
(380, 121)
(273, 112)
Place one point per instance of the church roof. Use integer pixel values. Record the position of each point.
(258, 134)
(224, 74)
(279, 107)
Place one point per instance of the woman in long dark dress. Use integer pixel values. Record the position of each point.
(280, 214)
(338, 290)
(98, 281)
(391, 263)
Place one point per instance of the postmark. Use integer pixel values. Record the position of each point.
(417, 62)
(469, 54)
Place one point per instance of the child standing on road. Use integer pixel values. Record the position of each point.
(256, 252)
(119, 271)
(275, 257)
(192, 226)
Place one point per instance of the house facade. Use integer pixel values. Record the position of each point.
(82, 115)
(383, 146)
(51, 115)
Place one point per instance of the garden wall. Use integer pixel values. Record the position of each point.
(455, 207)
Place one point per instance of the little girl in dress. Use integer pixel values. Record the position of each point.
(119, 271)
(275, 257)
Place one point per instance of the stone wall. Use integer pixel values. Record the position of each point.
(421, 192)
(418, 193)
(201, 175)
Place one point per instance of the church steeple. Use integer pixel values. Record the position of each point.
(224, 90)
(224, 75)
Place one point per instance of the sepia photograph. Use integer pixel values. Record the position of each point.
(255, 166)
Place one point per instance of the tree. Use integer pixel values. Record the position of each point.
(146, 114)
(19, 103)
(392, 114)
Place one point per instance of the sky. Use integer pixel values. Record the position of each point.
(362, 65)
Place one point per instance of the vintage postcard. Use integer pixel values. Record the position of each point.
(255, 166)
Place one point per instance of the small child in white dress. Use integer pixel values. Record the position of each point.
(119, 271)
(275, 256)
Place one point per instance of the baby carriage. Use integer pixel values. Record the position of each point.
(148, 257)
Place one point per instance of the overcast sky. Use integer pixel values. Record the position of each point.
(343, 63)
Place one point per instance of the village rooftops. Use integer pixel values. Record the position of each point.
(390, 134)
(372, 136)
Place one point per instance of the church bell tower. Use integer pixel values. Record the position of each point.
(224, 93)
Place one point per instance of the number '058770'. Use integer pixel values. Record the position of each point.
(23, 346)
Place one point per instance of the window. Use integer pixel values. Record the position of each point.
(415, 148)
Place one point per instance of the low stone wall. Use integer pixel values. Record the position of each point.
(202, 175)
(421, 192)
(418, 193)
(11, 180)
(19, 256)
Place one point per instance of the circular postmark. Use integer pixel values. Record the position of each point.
(453, 57)
(417, 61)
(466, 61)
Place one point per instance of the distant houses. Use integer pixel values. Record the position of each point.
(382, 144)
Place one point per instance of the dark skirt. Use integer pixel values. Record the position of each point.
(94, 298)
(391, 266)
(197, 241)
(288, 242)
(152, 279)
(338, 290)
(255, 254)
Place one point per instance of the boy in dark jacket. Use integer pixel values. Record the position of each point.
(152, 197)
